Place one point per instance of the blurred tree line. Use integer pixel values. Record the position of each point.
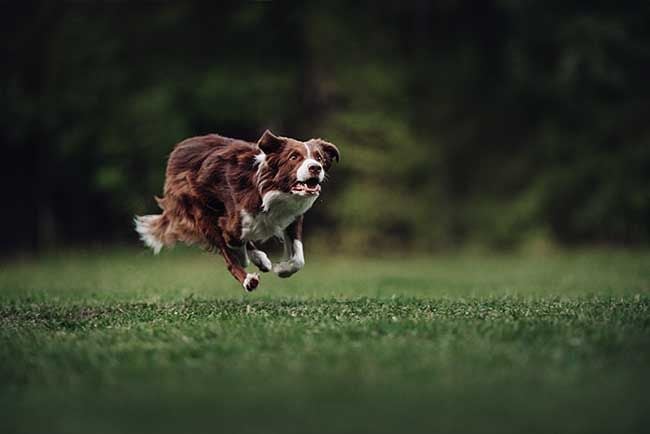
(491, 123)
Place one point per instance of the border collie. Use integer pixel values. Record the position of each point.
(226, 194)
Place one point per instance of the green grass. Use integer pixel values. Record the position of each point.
(123, 342)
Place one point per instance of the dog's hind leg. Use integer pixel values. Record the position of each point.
(241, 254)
(249, 281)
(259, 258)
(233, 250)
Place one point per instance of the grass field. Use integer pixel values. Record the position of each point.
(123, 342)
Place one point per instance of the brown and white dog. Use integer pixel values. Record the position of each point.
(225, 194)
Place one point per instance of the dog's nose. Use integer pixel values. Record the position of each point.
(315, 169)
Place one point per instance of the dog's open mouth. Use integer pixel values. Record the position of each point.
(310, 186)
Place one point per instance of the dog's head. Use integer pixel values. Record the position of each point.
(292, 166)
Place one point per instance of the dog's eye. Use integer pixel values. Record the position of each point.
(319, 158)
(293, 157)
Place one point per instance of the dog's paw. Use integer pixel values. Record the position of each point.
(286, 268)
(260, 260)
(251, 282)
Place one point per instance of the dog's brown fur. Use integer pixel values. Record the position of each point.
(213, 183)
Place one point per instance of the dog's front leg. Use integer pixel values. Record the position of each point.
(294, 257)
(259, 258)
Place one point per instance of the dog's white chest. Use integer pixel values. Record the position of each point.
(279, 210)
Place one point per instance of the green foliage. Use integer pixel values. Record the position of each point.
(458, 123)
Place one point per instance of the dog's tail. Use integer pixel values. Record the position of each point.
(152, 230)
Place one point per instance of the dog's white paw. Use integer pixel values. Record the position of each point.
(251, 282)
(287, 268)
(260, 259)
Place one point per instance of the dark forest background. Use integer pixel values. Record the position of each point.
(495, 124)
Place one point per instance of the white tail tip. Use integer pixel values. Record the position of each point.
(143, 227)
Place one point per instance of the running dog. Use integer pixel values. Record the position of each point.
(226, 194)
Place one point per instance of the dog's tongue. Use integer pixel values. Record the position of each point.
(302, 186)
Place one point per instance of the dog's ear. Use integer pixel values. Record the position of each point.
(269, 142)
(331, 150)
